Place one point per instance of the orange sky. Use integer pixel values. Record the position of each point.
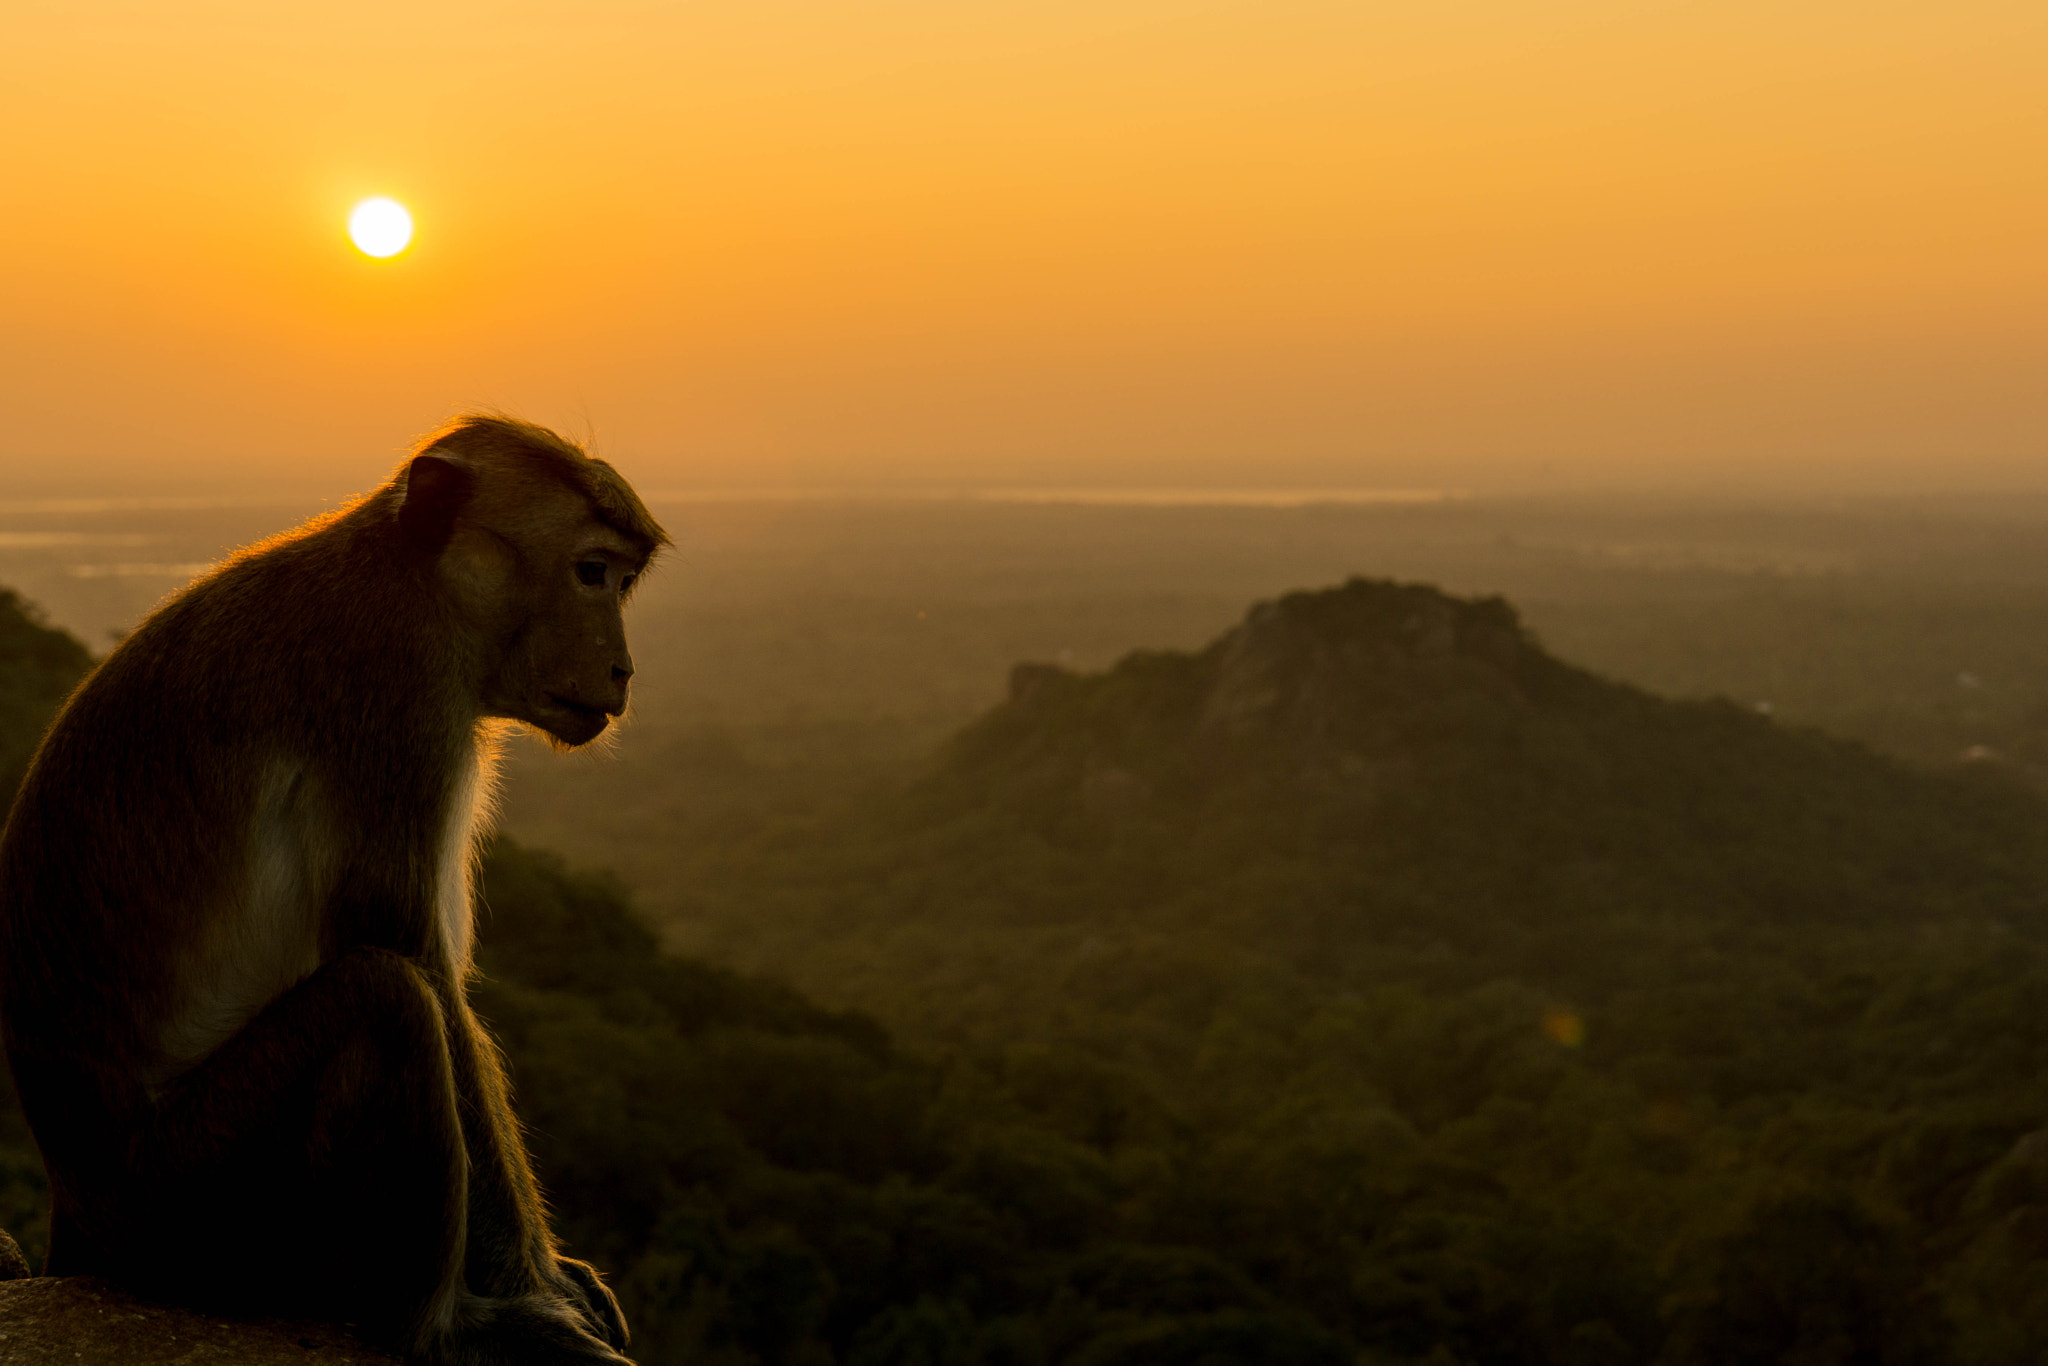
(818, 242)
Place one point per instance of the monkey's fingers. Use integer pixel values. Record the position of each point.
(600, 1306)
(533, 1330)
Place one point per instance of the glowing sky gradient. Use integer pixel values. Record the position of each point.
(801, 243)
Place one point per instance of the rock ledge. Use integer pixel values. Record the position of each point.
(78, 1321)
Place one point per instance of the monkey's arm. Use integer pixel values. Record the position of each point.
(511, 1251)
(509, 1266)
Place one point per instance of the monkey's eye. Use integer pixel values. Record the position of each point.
(590, 573)
(626, 584)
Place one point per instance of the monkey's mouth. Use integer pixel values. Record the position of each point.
(576, 708)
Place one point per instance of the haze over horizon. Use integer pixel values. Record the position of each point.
(1126, 243)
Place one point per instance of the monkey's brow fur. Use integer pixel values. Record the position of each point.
(494, 436)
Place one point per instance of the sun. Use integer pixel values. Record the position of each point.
(380, 227)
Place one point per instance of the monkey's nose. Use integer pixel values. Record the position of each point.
(620, 674)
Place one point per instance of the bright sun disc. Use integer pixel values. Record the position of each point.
(380, 227)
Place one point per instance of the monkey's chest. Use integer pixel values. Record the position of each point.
(269, 928)
(261, 934)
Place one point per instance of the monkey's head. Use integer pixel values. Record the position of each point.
(537, 546)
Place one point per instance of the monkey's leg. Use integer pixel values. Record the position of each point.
(511, 1253)
(313, 1165)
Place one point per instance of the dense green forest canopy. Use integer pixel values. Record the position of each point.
(1369, 986)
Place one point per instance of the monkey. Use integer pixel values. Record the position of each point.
(236, 922)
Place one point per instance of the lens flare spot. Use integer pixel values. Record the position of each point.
(1565, 1027)
(380, 227)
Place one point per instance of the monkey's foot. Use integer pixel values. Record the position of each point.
(581, 1285)
(532, 1330)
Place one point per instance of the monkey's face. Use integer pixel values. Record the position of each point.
(565, 666)
(542, 579)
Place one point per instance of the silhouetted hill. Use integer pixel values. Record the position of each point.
(1369, 784)
(1436, 776)
(39, 666)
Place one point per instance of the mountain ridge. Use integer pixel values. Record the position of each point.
(1404, 734)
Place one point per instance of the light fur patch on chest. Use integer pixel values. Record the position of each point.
(265, 938)
(471, 801)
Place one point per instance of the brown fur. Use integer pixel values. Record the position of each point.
(234, 910)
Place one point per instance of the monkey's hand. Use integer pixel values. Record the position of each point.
(546, 1329)
(584, 1288)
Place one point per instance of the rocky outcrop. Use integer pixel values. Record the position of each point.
(77, 1321)
(1350, 691)
(1317, 665)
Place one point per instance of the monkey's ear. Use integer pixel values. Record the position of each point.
(435, 490)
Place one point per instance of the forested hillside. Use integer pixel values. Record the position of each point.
(1368, 987)
(39, 666)
(1449, 956)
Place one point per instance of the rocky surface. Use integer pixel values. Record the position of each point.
(76, 1321)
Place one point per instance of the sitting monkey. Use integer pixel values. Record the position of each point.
(235, 920)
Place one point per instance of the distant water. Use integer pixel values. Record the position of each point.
(141, 569)
(1078, 496)
(97, 507)
(1211, 497)
(98, 565)
(47, 540)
